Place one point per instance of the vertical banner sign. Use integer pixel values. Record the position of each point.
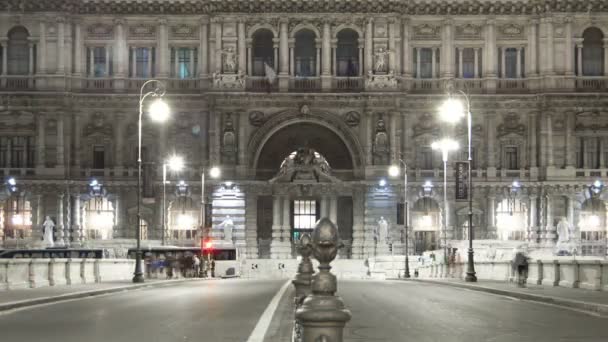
(462, 191)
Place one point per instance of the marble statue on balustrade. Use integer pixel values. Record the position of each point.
(381, 56)
(566, 241)
(47, 238)
(382, 230)
(227, 226)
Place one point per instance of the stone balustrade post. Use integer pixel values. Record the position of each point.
(322, 314)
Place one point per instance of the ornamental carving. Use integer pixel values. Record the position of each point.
(13, 121)
(591, 121)
(468, 31)
(425, 125)
(142, 31)
(426, 31)
(229, 30)
(256, 118)
(100, 31)
(381, 30)
(183, 32)
(98, 125)
(511, 31)
(352, 118)
(511, 125)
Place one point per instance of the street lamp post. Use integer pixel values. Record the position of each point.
(445, 146)
(394, 171)
(175, 163)
(159, 111)
(451, 111)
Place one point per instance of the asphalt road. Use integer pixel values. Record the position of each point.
(410, 311)
(228, 310)
(214, 311)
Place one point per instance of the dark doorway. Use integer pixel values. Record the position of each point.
(264, 224)
(345, 225)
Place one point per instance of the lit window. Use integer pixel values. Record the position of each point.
(304, 217)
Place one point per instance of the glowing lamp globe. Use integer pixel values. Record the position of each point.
(159, 110)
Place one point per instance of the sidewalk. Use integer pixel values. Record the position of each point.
(19, 298)
(588, 300)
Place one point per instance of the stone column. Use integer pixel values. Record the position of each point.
(41, 142)
(569, 68)
(60, 139)
(369, 127)
(283, 47)
(405, 44)
(491, 233)
(37, 220)
(447, 47)
(334, 61)
(251, 226)
(326, 64)
(333, 209)
(78, 48)
(503, 64)
(549, 147)
(286, 228)
(116, 231)
(549, 61)
(242, 51)
(532, 49)
(176, 65)
(163, 47)
(250, 59)
(203, 49)
(434, 63)
(91, 62)
(396, 27)
(605, 56)
(369, 46)
(476, 50)
(393, 135)
(533, 133)
(460, 63)
(292, 68)
(204, 147)
(107, 71)
(119, 137)
(490, 47)
(570, 118)
(418, 62)
(324, 207)
(42, 48)
(518, 66)
(59, 237)
(77, 235)
(61, 51)
(275, 48)
(121, 59)
(549, 228)
(31, 57)
(275, 245)
(491, 131)
(4, 44)
(77, 146)
(532, 227)
(318, 66)
(242, 139)
(218, 45)
(392, 66)
(358, 222)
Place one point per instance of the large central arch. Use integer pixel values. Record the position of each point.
(324, 132)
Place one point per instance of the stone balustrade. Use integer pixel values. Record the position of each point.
(40, 272)
(571, 273)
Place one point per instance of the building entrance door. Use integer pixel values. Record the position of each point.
(425, 241)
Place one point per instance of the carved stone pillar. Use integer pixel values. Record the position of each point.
(61, 53)
(392, 57)
(251, 225)
(41, 142)
(116, 229)
(369, 46)
(533, 148)
(242, 138)
(491, 153)
(283, 47)
(275, 245)
(491, 224)
(119, 138)
(405, 44)
(550, 50)
(568, 43)
(358, 223)
(286, 226)
(78, 48)
(549, 235)
(333, 209)
(532, 225)
(121, 55)
(532, 48)
(242, 52)
(447, 47)
(203, 71)
(163, 47)
(4, 44)
(42, 48)
(218, 46)
(59, 236)
(549, 147)
(570, 120)
(60, 142)
(368, 136)
(490, 48)
(77, 236)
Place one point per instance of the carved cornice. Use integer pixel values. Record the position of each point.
(403, 7)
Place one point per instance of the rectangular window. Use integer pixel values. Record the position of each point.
(144, 62)
(18, 149)
(186, 62)
(99, 156)
(468, 63)
(99, 62)
(4, 148)
(511, 158)
(510, 63)
(426, 158)
(426, 63)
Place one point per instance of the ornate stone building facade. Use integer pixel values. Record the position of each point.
(303, 105)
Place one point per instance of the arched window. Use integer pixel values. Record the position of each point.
(305, 54)
(593, 52)
(262, 52)
(18, 51)
(347, 53)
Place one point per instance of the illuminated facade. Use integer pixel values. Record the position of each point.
(351, 86)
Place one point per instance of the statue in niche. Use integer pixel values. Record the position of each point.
(229, 141)
(227, 226)
(49, 226)
(381, 56)
(381, 149)
(382, 230)
(229, 60)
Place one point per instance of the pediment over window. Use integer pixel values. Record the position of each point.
(591, 121)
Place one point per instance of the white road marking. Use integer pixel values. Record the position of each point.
(258, 333)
